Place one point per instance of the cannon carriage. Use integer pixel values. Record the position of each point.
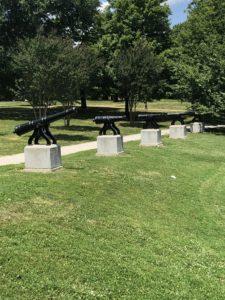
(41, 127)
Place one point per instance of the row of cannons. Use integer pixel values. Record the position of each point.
(41, 158)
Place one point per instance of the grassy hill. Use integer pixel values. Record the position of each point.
(118, 228)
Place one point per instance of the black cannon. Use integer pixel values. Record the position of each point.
(152, 119)
(41, 127)
(109, 123)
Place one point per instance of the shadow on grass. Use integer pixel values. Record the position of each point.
(216, 130)
(27, 114)
(73, 138)
(92, 112)
(134, 125)
(77, 128)
(16, 113)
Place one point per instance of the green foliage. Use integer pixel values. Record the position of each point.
(126, 21)
(6, 74)
(25, 18)
(21, 19)
(46, 71)
(53, 69)
(137, 72)
(196, 63)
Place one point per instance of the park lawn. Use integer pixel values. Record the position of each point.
(118, 227)
(82, 128)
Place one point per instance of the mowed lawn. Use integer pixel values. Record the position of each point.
(119, 227)
(82, 128)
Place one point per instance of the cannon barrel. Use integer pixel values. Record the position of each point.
(109, 123)
(151, 119)
(183, 114)
(103, 119)
(145, 117)
(29, 126)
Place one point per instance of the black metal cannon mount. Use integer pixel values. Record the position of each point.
(152, 119)
(109, 123)
(41, 128)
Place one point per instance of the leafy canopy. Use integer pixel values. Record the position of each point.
(196, 62)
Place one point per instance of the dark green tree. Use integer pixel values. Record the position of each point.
(45, 66)
(127, 22)
(196, 62)
(25, 18)
(89, 71)
(20, 19)
(136, 71)
(52, 69)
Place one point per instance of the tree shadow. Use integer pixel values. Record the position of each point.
(26, 112)
(72, 138)
(133, 125)
(77, 128)
(16, 113)
(92, 112)
(216, 130)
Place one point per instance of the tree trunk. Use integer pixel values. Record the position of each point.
(127, 113)
(67, 121)
(83, 99)
(146, 105)
(116, 98)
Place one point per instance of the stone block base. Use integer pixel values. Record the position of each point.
(109, 145)
(197, 127)
(178, 131)
(42, 158)
(150, 137)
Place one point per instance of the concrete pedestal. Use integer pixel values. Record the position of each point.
(109, 145)
(178, 131)
(197, 127)
(42, 158)
(150, 137)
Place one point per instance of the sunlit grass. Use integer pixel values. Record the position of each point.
(117, 228)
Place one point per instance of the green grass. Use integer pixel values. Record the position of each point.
(82, 129)
(118, 228)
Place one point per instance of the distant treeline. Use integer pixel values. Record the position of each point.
(71, 50)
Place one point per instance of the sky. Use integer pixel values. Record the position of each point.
(177, 7)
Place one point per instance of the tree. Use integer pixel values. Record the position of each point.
(5, 74)
(124, 23)
(21, 19)
(47, 72)
(89, 68)
(196, 62)
(74, 19)
(137, 71)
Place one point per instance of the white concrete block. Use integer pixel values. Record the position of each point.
(42, 158)
(150, 137)
(197, 127)
(109, 145)
(178, 131)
